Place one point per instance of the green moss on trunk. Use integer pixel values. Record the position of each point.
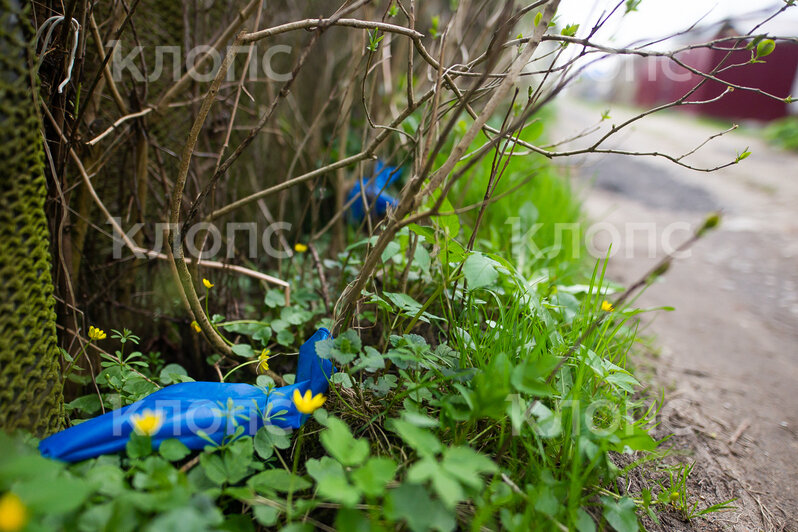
(31, 390)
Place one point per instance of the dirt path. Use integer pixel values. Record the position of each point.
(728, 357)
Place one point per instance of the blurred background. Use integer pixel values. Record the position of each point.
(728, 354)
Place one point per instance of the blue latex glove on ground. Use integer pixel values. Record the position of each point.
(187, 408)
(376, 196)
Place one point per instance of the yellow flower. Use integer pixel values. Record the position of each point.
(606, 306)
(300, 248)
(196, 327)
(96, 334)
(263, 361)
(308, 403)
(207, 284)
(13, 514)
(147, 423)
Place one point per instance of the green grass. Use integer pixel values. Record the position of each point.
(483, 388)
(784, 133)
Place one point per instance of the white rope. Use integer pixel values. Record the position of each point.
(50, 25)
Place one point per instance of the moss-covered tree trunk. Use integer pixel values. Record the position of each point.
(31, 394)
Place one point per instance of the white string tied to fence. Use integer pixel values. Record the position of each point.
(50, 25)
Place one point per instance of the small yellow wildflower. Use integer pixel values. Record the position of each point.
(96, 334)
(13, 514)
(300, 248)
(308, 403)
(147, 423)
(606, 306)
(263, 361)
(196, 327)
(207, 284)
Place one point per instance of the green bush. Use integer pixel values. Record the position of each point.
(784, 133)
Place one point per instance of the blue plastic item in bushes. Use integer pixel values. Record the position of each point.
(376, 195)
(189, 408)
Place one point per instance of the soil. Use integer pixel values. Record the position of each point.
(727, 357)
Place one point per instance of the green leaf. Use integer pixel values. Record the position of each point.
(623, 380)
(107, 479)
(634, 438)
(274, 298)
(421, 258)
(342, 349)
(545, 501)
(243, 350)
(448, 489)
(370, 361)
(97, 517)
(173, 450)
(403, 302)
(419, 420)
(548, 423)
(584, 523)
(264, 381)
(232, 465)
(631, 5)
(297, 527)
(279, 325)
(466, 465)
(173, 373)
(263, 335)
(199, 516)
(413, 504)
(138, 446)
(285, 338)
(374, 40)
(530, 376)
(352, 520)
(538, 18)
(744, 155)
(424, 442)
(765, 47)
(138, 387)
(337, 439)
(267, 438)
(348, 342)
(445, 485)
(374, 476)
(450, 223)
(342, 378)
(277, 480)
(53, 496)
(451, 249)
(331, 482)
(479, 271)
(295, 315)
(242, 493)
(266, 515)
(390, 251)
(621, 514)
(87, 404)
(382, 385)
(214, 468)
(247, 329)
(570, 30)
(407, 305)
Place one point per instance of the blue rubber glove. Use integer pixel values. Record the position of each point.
(187, 408)
(376, 194)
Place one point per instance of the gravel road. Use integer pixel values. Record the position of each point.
(728, 355)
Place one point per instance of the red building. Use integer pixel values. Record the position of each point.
(660, 80)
